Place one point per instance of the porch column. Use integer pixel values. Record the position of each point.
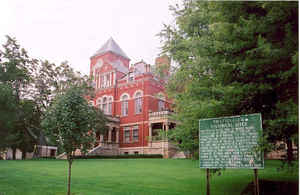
(166, 151)
(150, 131)
(109, 135)
(167, 126)
(101, 139)
(117, 135)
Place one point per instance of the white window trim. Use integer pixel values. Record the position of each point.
(135, 101)
(135, 128)
(110, 101)
(122, 104)
(123, 94)
(126, 129)
(138, 91)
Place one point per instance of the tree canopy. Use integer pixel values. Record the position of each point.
(234, 58)
(28, 87)
(72, 122)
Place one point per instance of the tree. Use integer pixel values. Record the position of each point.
(29, 122)
(72, 122)
(14, 78)
(29, 86)
(235, 58)
(8, 110)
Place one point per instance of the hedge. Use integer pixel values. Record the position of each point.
(124, 156)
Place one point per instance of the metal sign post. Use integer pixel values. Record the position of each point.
(207, 182)
(256, 183)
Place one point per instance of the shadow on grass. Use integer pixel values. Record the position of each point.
(267, 187)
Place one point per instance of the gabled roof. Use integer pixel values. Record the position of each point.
(112, 46)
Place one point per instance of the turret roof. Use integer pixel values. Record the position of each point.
(112, 46)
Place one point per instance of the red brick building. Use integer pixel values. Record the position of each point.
(134, 101)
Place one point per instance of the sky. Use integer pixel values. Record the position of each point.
(73, 30)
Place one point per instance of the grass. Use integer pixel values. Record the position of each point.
(125, 177)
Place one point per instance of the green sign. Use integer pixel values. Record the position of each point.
(230, 142)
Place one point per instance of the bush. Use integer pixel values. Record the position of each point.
(123, 156)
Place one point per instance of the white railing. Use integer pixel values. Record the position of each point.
(160, 114)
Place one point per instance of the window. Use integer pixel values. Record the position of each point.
(109, 105)
(138, 103)
(161, 105)
(107, 79)
(102, 81)
(96, 80)
(104, 106)
(135, 137)
(127, 135)
(124, 105)
(136, 152)
(126, 153)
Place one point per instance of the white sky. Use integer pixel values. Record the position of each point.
(74, 30)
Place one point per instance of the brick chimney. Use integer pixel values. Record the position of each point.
(164, 62)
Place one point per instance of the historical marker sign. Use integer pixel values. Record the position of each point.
(230, 142)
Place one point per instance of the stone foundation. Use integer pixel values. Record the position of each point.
(164, 148)
(105, 149)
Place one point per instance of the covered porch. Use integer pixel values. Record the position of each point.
(160, 123)
(112, 135)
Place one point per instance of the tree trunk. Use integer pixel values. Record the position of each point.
(14, 150)
(69, 176)
(23, 155)
(290, 156)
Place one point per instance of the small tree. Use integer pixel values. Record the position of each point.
(71, 122)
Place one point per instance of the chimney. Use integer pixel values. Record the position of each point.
(163, 62)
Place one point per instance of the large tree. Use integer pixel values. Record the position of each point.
(28, 88)
(8, 115)
(72, 122)
(234, 58)
(15, 79)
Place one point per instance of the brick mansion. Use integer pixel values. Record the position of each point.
(134, 101)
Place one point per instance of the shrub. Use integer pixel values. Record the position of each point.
(123, 156)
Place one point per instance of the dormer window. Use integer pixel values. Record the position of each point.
(131, 76)
(161, 105)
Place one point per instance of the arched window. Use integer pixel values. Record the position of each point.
(109, 109)
(104, 105)
(138, 103)
(125, 105)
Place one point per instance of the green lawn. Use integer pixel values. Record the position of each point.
(128, 176)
